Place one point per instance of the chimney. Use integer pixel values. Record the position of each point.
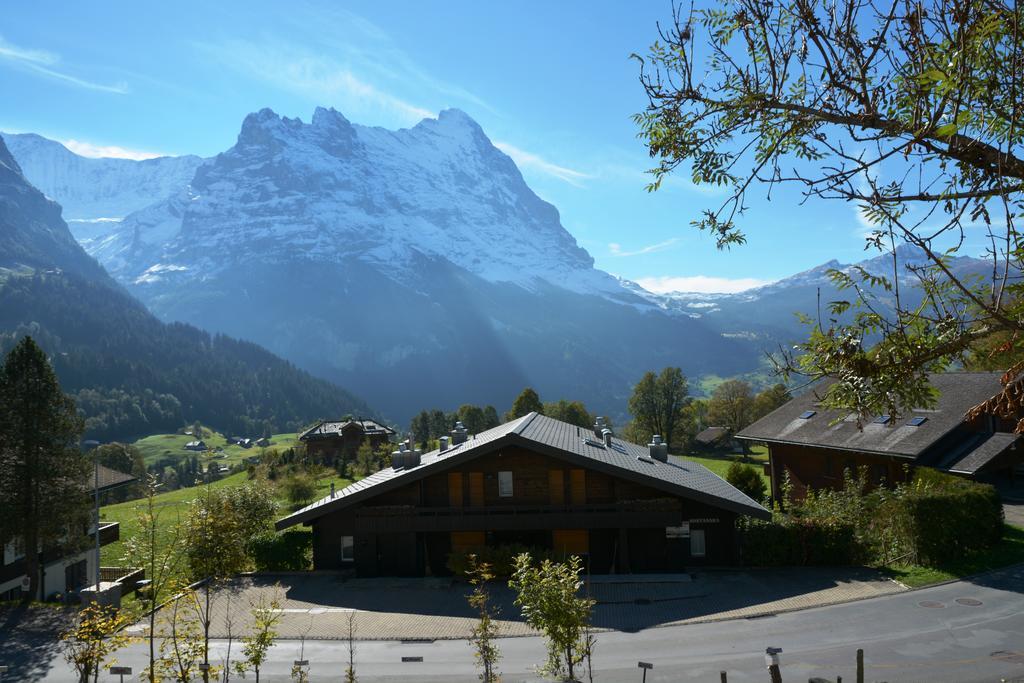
(443, 444)
(606, 434)
(459, 434)
(659, 450)
(599, 426)
(399, 458)
(412, 458)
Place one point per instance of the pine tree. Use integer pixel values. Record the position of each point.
(526, 402)
(43, 476)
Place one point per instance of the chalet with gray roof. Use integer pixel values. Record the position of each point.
(535, 482)
(815, 445)
(334, 440)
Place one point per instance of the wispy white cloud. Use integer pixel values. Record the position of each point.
(43, 62)
(616, 249)
(537, 163)
(704, 284)
(322, 79)
(93, 151)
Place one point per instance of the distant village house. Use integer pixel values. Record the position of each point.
(333, 440)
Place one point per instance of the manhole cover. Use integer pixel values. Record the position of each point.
(931, 603)
(969, 602)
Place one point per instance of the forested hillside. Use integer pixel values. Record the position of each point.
(133, 375)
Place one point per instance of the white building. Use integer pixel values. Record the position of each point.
(61, 573)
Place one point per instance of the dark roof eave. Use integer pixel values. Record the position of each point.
(828, 447)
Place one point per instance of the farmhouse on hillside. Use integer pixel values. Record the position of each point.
(341, 439)
(815, 446)
(536, 482)
(62, 573)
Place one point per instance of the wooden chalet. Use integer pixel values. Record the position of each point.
(815, 446)
(333, 440)
(533, 481)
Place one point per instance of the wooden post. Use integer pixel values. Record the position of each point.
(724, 677)
(775, 673)
(860, 666)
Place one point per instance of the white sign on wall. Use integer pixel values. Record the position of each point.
(681, 531)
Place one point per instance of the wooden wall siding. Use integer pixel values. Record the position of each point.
(556, 487)
(465, 540)
(578, 487)
(600, 487)
(454, 488)
(571, 541)
(822, 468)
(476, 489)
(535, 480)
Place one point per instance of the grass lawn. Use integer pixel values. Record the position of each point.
(1009, 551)
(173, 505)
(157, 446)
(719, 464)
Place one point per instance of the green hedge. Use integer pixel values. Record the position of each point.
(935, 519)
(952, 517)
(288, 551)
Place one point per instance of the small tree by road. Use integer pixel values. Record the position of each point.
(265, 616)
(485, 631)
(96, 634)
(548, 595)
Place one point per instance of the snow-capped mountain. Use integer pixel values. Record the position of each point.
(329, 190)
(769, 313)
(97, 192)
(415, 266)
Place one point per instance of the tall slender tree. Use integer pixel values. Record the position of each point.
(44, 501)
(657, 404)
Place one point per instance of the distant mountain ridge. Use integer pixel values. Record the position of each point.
(130, 373)
(415, 266)
(769, 313)
(97, 192)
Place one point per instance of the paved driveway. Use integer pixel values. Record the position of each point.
(319, 605)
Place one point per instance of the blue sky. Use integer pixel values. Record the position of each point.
(550, 82)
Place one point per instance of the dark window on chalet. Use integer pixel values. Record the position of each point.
(348, 549)
(505, 484)
(828, 466)
(697, 545)
(879, 473)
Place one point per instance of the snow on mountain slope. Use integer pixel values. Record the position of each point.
(96, 193)
(330, 190)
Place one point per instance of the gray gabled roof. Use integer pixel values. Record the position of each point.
(326, 428)
(108, 479)
(558, 439)
(958, 392)
(991, 447)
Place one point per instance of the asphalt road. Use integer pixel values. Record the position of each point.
(904, 641)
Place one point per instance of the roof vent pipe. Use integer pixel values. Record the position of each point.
(398, 458)
(606, 434)
(459, 434)
(599, 426)
(412, 458)
(658, 449)
(443, 444)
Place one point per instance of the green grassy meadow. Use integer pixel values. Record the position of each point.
(159, 446)
(173, 506)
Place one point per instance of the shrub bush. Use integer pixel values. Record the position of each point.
(934, 519)
(288, 551)
(747, 479)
